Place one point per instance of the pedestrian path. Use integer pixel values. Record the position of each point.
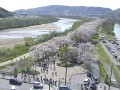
(15, 59)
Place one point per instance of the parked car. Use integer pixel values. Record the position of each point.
(104, 41)
(108, 48)
(15, 81)
(64, 87)
(89, 74)
(37, 85)
(86, 82)
(112, 51)
(118, 58)
(118, 48)
(115, 55)
(96, 80)
(93, 85)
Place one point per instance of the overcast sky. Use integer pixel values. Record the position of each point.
(12, 5)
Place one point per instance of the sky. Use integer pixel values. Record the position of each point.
(12, 5)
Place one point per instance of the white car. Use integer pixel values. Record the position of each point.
(63, 87)
(13, 87)
(37, 85)
(86, 82)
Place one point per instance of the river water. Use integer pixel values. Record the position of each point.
(117, 30)
(63, 24)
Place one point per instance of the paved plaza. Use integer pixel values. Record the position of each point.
(75, 75)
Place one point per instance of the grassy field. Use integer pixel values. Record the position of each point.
(102, 72)
(116, 75)
(103, 55)
(104, 58)
(10, 53)
(118, 67)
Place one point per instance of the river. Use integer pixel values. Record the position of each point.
(117, 30)
(33, 31)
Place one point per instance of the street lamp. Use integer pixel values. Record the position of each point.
(66, 67)
(49, 85)
(66, 72)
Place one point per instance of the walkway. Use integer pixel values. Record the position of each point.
(15, 59)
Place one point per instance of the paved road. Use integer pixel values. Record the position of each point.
(6, 86)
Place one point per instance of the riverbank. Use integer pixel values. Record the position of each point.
(10, 42)
(10, 37)
(49, 26)
(35, 30)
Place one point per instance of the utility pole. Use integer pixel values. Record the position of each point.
(66, 72)
(49, 84)
(66, 64)
(110, 77)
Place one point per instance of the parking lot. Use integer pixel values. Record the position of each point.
(112, 50)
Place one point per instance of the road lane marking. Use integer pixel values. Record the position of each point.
(31, 88)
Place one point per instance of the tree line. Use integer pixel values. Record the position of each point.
(10, 53)
(7, 23)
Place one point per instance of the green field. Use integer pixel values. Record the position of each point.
(116, 75)
(118, 67)
(102, 72)
(103, 55)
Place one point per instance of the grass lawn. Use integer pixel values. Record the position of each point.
(118, 67)
(116, 75)
(102, 72)
(107, 36)
(11, 64)
(103, 55)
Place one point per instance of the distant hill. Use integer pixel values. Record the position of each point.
(66, 11)
(4, 13)
(117, 10)
(115, 14)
